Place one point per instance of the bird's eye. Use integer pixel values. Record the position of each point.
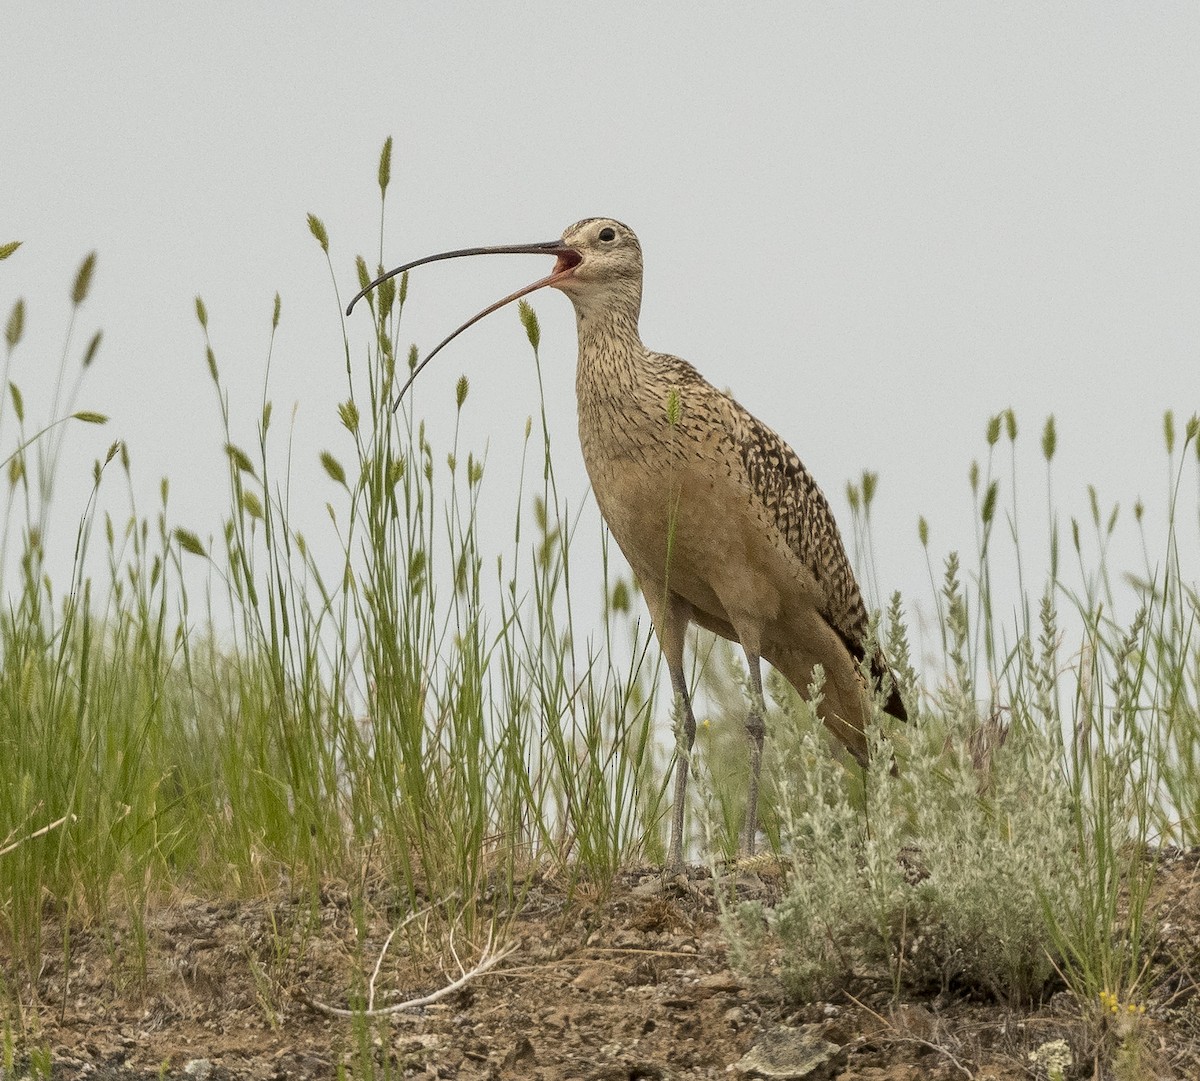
(608, 234)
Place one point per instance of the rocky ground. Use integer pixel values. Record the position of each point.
(632, 982)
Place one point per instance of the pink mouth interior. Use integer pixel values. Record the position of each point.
(567, 260)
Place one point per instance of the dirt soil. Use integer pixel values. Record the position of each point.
(627, 984)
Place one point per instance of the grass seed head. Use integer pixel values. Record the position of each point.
(529, 321)
(16, 324)
(385, 166)
(89, 354)
(317, 227)
(1049, 439)
(83, 279)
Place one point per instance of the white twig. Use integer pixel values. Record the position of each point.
(454, 953)
(913, 1039)
(383, 952)
(486, 961)
(375, 973)
(940, 1050)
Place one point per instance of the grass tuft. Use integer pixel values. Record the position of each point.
(1016, 846)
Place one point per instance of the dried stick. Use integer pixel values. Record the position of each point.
(36, 833)
(486, 961)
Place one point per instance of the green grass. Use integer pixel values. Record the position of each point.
(419, 713)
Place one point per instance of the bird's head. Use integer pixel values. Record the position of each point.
(598, 265)
(607, 259)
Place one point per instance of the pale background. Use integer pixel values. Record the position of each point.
(876, 224)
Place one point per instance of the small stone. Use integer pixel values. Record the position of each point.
(791, 1054)
(592, 977)
(718, 983)
(521, 1052)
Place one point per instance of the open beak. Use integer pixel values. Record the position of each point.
(568, 260)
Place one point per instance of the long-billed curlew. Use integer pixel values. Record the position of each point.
(721, 523)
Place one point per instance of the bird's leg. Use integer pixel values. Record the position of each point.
(755, 730)
(685, 736)
(670, 615)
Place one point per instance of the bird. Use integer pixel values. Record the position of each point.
(721, 523)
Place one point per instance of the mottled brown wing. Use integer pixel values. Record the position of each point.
(801, 512)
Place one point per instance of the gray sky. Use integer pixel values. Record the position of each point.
(876, 224)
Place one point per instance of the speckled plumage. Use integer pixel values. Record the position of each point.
(718, 517)
(720, 521)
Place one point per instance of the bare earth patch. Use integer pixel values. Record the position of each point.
(632, 983)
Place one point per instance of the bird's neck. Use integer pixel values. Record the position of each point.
(611, 353)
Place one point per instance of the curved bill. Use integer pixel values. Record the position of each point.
(568, 259)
